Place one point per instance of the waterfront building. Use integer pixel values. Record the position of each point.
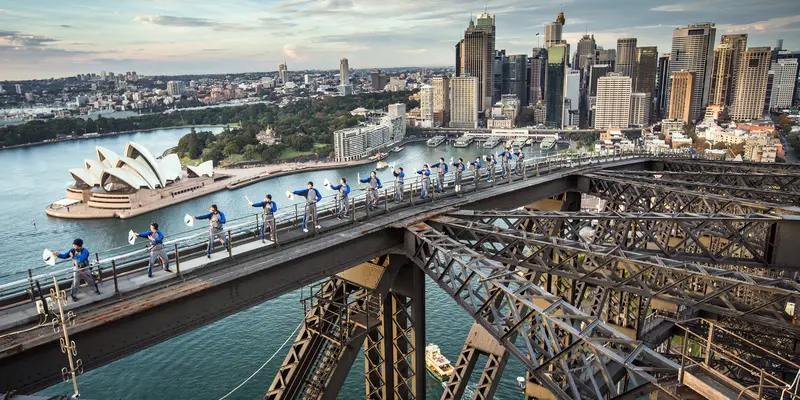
(555, 78)
(613, 104)
(464, 105)
(358, 142)
(425, 106)
(751, 84)
(682, 96)
(441, 100)
(398, 110)
(475, 55)
(537, 75)
(572, 98)
(693, 51)
(514, 77)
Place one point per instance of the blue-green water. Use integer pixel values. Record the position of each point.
(210, 361)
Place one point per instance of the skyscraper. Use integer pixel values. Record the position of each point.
(640, 109)
(344, 72)
(794, 55)
(738, 45)
(645, 77)
(441, 100)
(626, 56)
(426, 105)
(721, 74)
(378, 80)
(693, 51)
(514, 71)
(176, 88)
(613, 105)
(283, 73)
(595, 73)
(751, 84)
(662, 87)
(783, 83)
(572, 98)
(606, 57)
(538, 73)
(682, 96)
(464, 107)
(552, 31)
(556, 74)
(586, 49)
(497, 71)
(477, 57)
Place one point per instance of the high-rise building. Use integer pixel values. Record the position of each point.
(596, 72)
(554, 82)
(426, 105)
(572, 98)
(379, 80)
(783, 83)
(398, 110)
(751, 84)
(645, 77)
(721, 75)
(662, 87)
(626, 57)
(603, 56)
(640, 109)
(283, 73)
(682, 97)
(693, 51)
(586, 49)
(18, 88)
(464, 104)
(514, 79)
(553, 30)
(738, 44)
(176, 88)
(476, 57)
(795, 55)
(537, 76)
(344, 72)
(441, 100)
(613, 104)
(497, 71)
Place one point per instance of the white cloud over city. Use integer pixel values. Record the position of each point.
(57, 38)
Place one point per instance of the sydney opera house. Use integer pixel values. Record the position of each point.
(122, 186)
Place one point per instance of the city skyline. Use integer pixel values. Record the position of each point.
(51, 39)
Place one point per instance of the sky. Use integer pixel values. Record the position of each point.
(54, 38)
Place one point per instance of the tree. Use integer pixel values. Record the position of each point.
(230, 149)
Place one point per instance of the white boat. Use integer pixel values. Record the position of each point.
(519, 142)
(382, 165)
(435, 141)
(491, 143)
(463, 141)
(548, 143)
(397, 149)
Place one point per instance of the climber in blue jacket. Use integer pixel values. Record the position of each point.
(442, 170)
(342, 191)
(268, 209)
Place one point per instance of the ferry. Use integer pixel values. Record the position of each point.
(382, 165)
(463, 141)
(548, 143)
(379, 156)
(491, 143)
(437, 364)
(435, 141)
(519, 142)
(397, 149)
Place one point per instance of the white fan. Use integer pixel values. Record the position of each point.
(188, 220)
(327, 184)
(289, 195)
(248, 200)
(131, 237)
(48, 257)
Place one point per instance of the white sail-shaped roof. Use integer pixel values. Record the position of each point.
(82, 175)
(204, 169)
(106, 156)
(95, 168)
(133, 150)
(122, 175)
(170, 166)
(141, 169)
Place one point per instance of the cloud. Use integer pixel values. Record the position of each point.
(212, 49)
(277, 23)
(773, 24)
(4, 11)
(290, 51)
(66, 26)
(676, 7)
(169, 20)
(21, 40)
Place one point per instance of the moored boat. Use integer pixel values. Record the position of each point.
(435, 141)
(548, 143)
(437, 364)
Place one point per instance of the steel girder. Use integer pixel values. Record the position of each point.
(697, 165)
(565, 348)
(741, 192)
(725, 292)
(718, 239)
(638, 196)
(788, 182)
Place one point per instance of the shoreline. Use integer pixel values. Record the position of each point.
(109, 134)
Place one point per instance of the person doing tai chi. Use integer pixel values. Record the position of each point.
(312, 197)
(519, 167)
(442, 170)
(156, 248)
(216, 223)
(80, 267)
(425, 172)
(342, 191)
(460, 167)
(399, 178)
(372, 190)
(476, 167)
(505, 156)
(268, 209)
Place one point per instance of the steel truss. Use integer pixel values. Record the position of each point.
(717, 239)
(571, 353)
(788, 182)
(696, 165)
(725, 292)
(639, 196)
(741, 192)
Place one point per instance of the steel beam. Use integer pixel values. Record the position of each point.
(697, 165)
(725, 292)
(785, 181)
(563, 346)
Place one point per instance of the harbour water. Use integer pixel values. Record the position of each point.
(208, 362)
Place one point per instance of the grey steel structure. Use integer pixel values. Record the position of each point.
(685, 266)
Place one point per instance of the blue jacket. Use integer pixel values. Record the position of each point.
(82, 258)
(425, 172)
(440, 163)
(519, 154)
(222, 219)
(476, 164)
(263, 204)
(367, 179)
(346, 190)
(503, 154)
(399, 175)
(304, 193)
(460, 167)
(158, 237)
(492, 162)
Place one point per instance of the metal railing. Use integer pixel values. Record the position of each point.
(111, 263)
